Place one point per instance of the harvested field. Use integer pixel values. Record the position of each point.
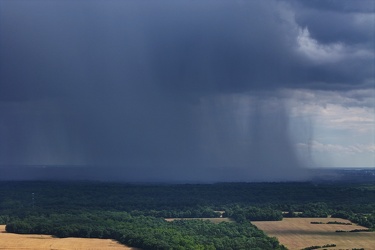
(214, 220)
(12, 241)
(298, 233)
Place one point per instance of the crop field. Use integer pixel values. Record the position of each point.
(10, 241)
(298, 233)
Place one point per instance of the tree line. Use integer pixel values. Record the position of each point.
(147, 232)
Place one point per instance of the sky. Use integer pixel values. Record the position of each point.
(186, 90)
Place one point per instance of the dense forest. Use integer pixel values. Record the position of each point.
(134, 214)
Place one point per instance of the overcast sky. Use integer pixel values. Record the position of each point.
(187, 90)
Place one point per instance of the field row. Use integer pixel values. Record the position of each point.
(298, 233)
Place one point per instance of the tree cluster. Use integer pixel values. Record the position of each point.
(147, 232)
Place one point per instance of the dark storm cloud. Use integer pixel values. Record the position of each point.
(181, 46)
(154, 87)
(344, 29)
(348, 6)
(349, 22)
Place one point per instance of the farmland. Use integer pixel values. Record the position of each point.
(135, 214)
(298, 233)
(9, 241)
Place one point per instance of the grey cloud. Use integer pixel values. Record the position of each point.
(146, 87)
(348, 6)
(180, 46)
(354, 29)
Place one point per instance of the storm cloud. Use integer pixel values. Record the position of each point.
(171, 90)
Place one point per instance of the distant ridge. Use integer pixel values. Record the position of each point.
(115, 173)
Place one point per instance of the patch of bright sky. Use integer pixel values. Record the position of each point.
(334, 129)
(328, 128)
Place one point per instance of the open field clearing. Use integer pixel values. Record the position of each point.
(298, 233)
(10, 241)
(214, 220)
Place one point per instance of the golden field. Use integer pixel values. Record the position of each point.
(298, 233)
(10, 241)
